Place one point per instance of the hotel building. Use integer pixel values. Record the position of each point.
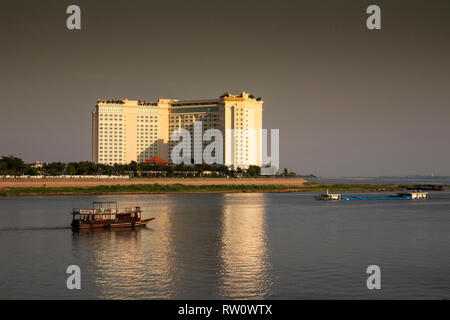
(134, 130)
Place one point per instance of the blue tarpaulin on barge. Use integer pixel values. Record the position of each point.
(379, 198)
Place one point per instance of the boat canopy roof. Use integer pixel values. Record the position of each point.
(106, 211)
(104, 204)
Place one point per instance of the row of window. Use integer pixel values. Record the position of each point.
(193, 118)
(106, 116)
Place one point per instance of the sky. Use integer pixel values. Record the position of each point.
(348, 101)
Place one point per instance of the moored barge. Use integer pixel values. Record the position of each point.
(106, 215)
(399, 196)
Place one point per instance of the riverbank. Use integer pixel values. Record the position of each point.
(79, 183)
(157, 188)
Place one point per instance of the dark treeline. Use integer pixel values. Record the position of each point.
(10, 165)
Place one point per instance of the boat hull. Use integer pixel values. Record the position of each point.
(93, 226)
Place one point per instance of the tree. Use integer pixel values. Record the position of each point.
(72, 168)
(3, 169)
(253, 171)
(13, 165)
(132, 166)
(170, 170)
(223, 170)
(29, 171)
(54, 168)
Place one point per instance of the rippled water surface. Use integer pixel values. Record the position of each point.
(250, 245)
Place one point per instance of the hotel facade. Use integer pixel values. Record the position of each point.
(132, 130)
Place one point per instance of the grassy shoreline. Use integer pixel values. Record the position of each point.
(184, 188)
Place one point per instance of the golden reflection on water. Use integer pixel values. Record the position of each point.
(210, 248)
(132, 263)
(245, 269)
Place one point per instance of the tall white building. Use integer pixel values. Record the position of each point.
(134, 130)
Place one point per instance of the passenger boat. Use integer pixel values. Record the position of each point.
(105, 215)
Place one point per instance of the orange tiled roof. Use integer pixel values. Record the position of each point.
(156, 160)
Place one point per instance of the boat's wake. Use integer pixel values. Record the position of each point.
(34, 228)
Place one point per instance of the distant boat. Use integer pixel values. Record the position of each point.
(329, 196)
(106, 215)
(399, 196)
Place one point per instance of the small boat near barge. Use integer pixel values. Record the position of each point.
(329, 196)
(106, 215)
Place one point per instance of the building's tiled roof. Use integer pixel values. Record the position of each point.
(156, 160)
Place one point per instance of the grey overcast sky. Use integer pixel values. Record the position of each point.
(348, 101)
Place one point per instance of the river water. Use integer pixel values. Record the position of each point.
(229, 246)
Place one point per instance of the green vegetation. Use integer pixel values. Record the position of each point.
(286, 173)
(140, 188)
(182, 188)
(308, 186)
(13, 166)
